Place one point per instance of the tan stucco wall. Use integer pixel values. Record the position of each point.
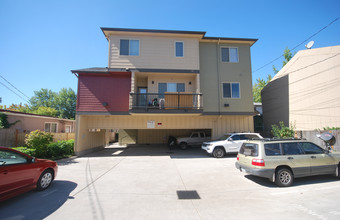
(213, 73)
(155, 52)
(218, 124)
(30, 123)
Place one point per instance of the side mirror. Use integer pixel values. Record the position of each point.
(326, 151)
(33, 160)
(231, 139)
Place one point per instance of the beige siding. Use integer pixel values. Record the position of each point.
(156, 52)
(213, 73)
(305, 93)
(218, 124)
(314, 92)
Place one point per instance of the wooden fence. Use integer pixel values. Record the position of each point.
(15, 138)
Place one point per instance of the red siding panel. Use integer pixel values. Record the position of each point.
(94, 90)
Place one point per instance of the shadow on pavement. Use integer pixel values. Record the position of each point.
(37, 205)
(297, 181)
(151, 150)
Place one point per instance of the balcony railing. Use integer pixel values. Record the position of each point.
(166, 101)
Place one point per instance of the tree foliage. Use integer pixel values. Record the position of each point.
(282, 131)
(261, 83)
(60, 104)
(258, 86)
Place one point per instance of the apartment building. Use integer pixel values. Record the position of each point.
(164, 82)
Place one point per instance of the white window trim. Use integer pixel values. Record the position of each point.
(238, 56)
(129, 39)
(51, 126)
(175, 48)
(239, 86)
(69, 127)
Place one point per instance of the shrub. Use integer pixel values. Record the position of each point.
(26, 150)
(60, 149)
(39, 140)
(282, 131)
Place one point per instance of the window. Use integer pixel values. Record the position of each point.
(231, 90)
(68, 129)
(179, 49)
(249, 150)
(129, 47)
(291, 149)
(272, 149)
(170, 87)
(229, 55)
(51, 127)
(310, 148)
(10, 158)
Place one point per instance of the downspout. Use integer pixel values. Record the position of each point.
(218, 77)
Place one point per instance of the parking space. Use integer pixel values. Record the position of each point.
(152, 182)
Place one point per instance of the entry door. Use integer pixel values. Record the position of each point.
(142, 100)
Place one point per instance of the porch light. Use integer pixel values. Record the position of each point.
(190, 83)
(153, 82)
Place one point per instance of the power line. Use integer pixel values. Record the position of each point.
(14, 87)
(298, 44)
(14, 92)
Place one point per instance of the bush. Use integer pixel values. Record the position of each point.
(39, 140)
(282, 131)
(60, 149)
(26, 150)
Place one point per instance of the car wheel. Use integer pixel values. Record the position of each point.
(284, 177)
(45, 180)
(218, 152)
(183, 145)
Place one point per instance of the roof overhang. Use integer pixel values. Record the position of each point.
(191, 34)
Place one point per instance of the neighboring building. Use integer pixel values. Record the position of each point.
(160, 83)
(306, 91)
(27, 122)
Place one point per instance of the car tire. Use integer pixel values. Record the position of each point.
(284, 177)
(183, 146)
(45, 180)
(337, 174)
(218, 152)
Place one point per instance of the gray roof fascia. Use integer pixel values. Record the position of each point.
(108, 70)
(152, 31)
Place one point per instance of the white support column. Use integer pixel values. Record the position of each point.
(133, 76)
(198, 90)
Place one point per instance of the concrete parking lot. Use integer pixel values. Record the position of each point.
(152, 182)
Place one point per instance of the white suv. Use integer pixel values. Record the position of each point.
(228, 143)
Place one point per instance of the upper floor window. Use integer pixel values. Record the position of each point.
(129, 47)
(179, 49)
(231, 90)
(229, 54)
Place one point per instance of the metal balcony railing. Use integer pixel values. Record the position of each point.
(167, 100)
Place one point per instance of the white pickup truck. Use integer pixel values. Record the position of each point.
(196, 138)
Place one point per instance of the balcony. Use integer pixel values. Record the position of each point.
(168, 103)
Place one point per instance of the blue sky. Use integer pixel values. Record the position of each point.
(41, 41)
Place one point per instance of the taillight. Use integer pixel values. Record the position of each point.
(258, 162)
(238, 157)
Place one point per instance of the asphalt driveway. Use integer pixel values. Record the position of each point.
(151, 182)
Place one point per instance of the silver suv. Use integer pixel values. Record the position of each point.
(283, 160)
(228, 143)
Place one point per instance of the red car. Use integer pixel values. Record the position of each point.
(20, 173)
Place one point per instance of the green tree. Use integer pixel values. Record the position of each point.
(43, 97)
(258, 86)
(65, 103)
(19, 108)
(48, 111)
(261, 83)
